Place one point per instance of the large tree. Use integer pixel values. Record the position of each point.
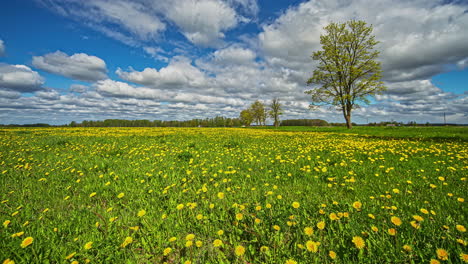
(276, 111)
(259, 113)
(246, 117)
(348, 71)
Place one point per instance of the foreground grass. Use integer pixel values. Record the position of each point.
(146, 195)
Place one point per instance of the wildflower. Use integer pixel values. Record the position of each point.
(121, 195)
(332, 254)
(217, 243)
(239, 216)
(291, 261)
(295, 205)
(308, 231)
(167, 251)
(26, 242)
(357, 205)
(141, 213)
(460, 228)
(461, 200)
(190, 237)
(88, 245)
(424, 211)
(240, 250)
(392, 231)
(180, 206)
(464, 257)
(374, 228)
(264, 248)
(276, 227)
(396, 221)
(189, 243)
(333, 216)
(258, 221)
(199, 217)
(92, 194)
(220, 232)
(134, 228)
(371, 216)
(8, 261)
(418, 218)
(415, 224)
(359, 242)
(407, 248)
(434, 261)
(312, 246)
(199, 243)
(321, 225)
(442, 254)
(221, 195)
(127, 241)
(187, 262)
(6, 223)
(172, 239)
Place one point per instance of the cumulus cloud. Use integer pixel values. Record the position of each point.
(79, 66)
(2, 48)
(19, 78)
(118, 19)
(234, 55)
(5, 93)
(179, 73)
(78, 88)
(48, 94)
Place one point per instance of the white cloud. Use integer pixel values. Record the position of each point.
(179, 73)
(202, 22)
(48, 94)
(234, 55)
(2, 48)
(78, 88)
(5, 93)
(79, 66)
(19, 78)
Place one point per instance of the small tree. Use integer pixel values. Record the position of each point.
(258, 112)
(276, 111)
(348, 71)
(246, 117)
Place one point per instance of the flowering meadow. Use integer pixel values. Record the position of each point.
(230, 195)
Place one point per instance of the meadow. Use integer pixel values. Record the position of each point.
(233, 195)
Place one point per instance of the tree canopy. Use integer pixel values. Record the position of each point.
(348, 71)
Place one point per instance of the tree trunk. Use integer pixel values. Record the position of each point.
(347, 116)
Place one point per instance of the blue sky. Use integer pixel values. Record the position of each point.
(71, 60)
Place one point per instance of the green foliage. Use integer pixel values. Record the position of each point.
(276, 111)
(348, 71)
(246, 117)
(259, 112)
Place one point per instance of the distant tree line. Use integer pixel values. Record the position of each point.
(218, 121)
(258, 113)
(304, 122)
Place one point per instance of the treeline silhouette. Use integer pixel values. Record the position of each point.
(218, 121)
(304, 122)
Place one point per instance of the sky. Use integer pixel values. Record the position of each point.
(74, 60)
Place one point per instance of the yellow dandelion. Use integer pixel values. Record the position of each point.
(392, 231)
(375, 229)
(357, 205)
(88, 245)
(464, 257)
(371, 216)
(359, 242)
(18, 234)
(291, 261)
(396, 220)
(333, 217)
(8, 261)
(221, 195)
(220, 232)
(277, 227)
(264, 249)
(424, 211)
(312, 246)
(217, 243)
(332, 254)
(71, 255)
(180, 206)
(141, 213)
(189, 243)
(167, 251)
(461, 200)
(199, 243)
(121, 195)
(415, 224)
(199, 217)
(321, 225)
(295, 205)
(6, 223)
(309, 231)
(407, 248)
(190, 237)
(418, 218)
(460, 228)
(172, 239)
(240, 250)
(442, 254)
(92, 194)
(26, 242)
(258, 221)
(187, 262)
(127, 241)
(239, 216)
(434, 261)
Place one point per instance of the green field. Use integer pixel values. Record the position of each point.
(209, 195)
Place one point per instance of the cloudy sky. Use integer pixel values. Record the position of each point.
(65, 60)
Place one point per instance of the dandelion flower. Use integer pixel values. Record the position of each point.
(121, 195)
(359, 242)
(407, 248)
(321, 225)
(392, 231)
(418, 218)
(464, 257)
(199, 243)
(180, 206)
(221, 195)
(308, 231)
(277, 227)
(264, 248)
(70, 256)
(434, 261)
(189, 243)
(295, 205)
(217, 243)
(26, 242)
(461, 228)
(188, 262)
(240, 250)
(220, 232)
(127, 241)
(312, 246)
(88, 245)
(92, 194)
(239, 216)
(8, 261)
(375, 229)
(291, 261)
(190, 237)
(167, 251)
(424, 211)
(6, 223)
(396, 220)
(332, 254)
(442, 254)
(357, 205)
(141, 213)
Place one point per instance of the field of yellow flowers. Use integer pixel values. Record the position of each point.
(201, 195)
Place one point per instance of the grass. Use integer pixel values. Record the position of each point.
(135, 195)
